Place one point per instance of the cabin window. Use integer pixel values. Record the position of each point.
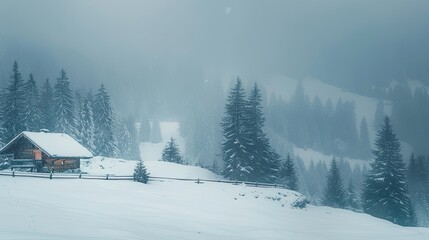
(37, 154)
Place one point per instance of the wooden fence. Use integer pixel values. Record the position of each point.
(131, 178)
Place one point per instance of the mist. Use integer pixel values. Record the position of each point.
(135, 47)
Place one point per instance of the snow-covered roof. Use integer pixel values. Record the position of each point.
(54, 144)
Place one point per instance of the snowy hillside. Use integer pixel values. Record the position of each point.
(152, 151)
(365, 106)
(103, 165)
(97, 209)
(308, 155)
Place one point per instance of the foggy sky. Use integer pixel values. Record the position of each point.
(133, 45)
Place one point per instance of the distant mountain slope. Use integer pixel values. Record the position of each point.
(365, 106)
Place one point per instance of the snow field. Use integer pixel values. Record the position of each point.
(153, 151)
(97, 209)
(103, 166)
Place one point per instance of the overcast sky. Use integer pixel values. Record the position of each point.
(141, 42)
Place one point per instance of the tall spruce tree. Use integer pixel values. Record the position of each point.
(171, 152)
(104, 121)
(86, 126)
(352, 200)
(288, 174)
(385, 192)
(134, 143)
(155, 132)
(47, 107)
(235, 147)
(63, 106)
(264, 161)
(365, 146)
(13, 108)
(32, 112)
(417, 177)
(144, 130)
(334, 195)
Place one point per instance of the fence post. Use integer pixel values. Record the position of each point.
(256, 184)
(80, 175)
(198, 180)
(13, 173)
(275, 185)
(50, 175)
(107, 176)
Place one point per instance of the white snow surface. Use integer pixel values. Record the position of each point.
(34, 208)
(308, 155)
(153, 151)
(102, 165)
(56, 144)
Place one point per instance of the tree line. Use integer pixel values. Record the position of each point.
(324, 126)
(89, 118)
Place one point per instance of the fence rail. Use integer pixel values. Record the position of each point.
(131, 177)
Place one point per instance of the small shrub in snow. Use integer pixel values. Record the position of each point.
(140, 173)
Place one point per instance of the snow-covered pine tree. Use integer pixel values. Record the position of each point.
(418, 185)
(63, 106)
(13, 106)
(104, 121)
(131, 126)
(235, 147)
(47, 106)
(264, 161)
(334, 195)
(32, 112)
(352, 200)
(385, 192)
(124, 139)
(87, 127)
(155, 132)
(140, 173)
(287, 174)
(144, 130)
(171, 152)
(365, 146)
(78, 106)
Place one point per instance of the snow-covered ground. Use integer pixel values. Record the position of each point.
(308, 155)
(33, 208)
(103, 165)
(153, 151)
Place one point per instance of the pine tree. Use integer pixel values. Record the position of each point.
(379, 114)
(171, 152)
(127, 139)
(417, 177)
(63, 106)
(140, 173)
(352, 201)
(134, 143)
(13, 108)
(104, 121)
(334, 195)
(32, 112)
(47, 107)
(264, 161)
(235, 147)
(86, 126)
(144, 130)
(288, 174)
(385, 190)
(365, 146)
(155, 132)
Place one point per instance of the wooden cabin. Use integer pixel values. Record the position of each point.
(45, 152)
